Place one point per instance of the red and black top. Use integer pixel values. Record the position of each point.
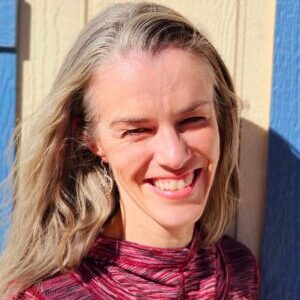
(117, 269)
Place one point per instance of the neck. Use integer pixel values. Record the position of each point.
(153, 234)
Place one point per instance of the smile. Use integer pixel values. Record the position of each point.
(176, 188)
(174, 184)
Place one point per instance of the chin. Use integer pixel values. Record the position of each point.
(179, 220)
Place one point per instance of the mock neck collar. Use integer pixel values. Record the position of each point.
(126, 252)
(170, 268)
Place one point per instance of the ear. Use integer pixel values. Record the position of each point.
(94, 146)
(97, 149)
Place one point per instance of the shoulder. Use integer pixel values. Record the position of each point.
(31, 293)
(61, 286)
(236, 253)
(241, 267)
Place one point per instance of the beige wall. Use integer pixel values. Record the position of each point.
(242, 31)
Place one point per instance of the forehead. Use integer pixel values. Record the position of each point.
(170, 79)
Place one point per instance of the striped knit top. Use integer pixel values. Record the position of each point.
(117, 269)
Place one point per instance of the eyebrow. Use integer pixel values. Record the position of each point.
(129, 121)
(192, 107)
(135, 120)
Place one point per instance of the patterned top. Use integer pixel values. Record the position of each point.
(118, 269)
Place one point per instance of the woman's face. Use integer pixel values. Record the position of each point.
(157, 130)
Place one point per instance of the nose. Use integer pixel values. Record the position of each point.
(171, 150)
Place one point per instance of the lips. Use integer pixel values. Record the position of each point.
(175, 184)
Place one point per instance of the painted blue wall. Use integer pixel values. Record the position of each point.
(8, 67)
(281, 247)
(8, 16)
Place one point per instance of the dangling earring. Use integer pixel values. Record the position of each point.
(107, 182)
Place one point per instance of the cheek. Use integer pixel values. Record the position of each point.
(215, 145)
(207, 143)
(128, 161)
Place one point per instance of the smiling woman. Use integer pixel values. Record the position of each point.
(160, 139)
(128, 177)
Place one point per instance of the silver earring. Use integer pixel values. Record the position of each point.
(107, 181)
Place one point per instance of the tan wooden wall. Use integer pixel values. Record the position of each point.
(241, 30)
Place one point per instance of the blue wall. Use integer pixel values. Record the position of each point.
(281, 248)
(8, 65)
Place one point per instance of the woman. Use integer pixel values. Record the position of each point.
(128, 176)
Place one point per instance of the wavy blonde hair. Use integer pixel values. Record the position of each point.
(61, 197)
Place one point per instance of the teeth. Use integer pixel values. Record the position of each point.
(174, 184)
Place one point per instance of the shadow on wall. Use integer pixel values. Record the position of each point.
(281, 246)
(253, 164)
(274, 222)
(24, 36)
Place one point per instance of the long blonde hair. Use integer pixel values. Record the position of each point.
(63, 196)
